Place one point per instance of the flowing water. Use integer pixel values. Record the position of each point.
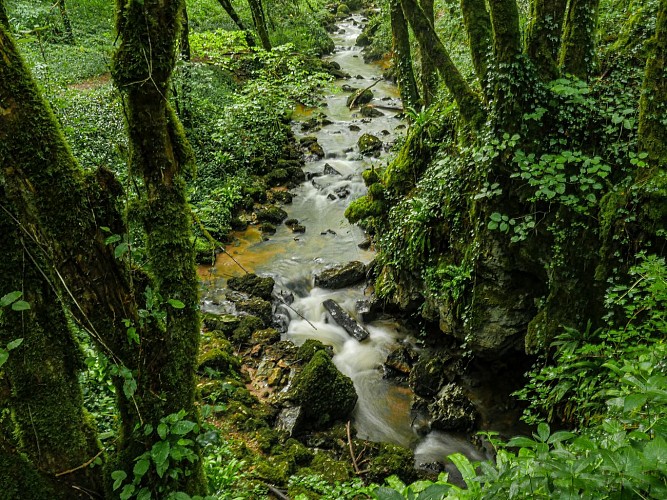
(383, 409)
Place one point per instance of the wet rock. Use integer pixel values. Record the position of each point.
(369, 145)
(238, 224)
(385, 132)
(452, 410)
(253, 285)
(363, 40)
(345, 320)
(299, 229)
(284, 197)
(366, 244)
(331, 196)
(358, 99)
(348, 88)
(247, 325)
(312, 146)
(328, 231)
(308, 349)
(399, 361)
(217, 354)
(277, 177)
(272, 214)
(354, 128)
(341, 276)
(432, 372)
(392, 459)
(225, 323)
(311, 175)
(289, 420)
(329, 170)
(312, 124)
(265, 337)
(267, 228)
(342, 192)
(325, 394)
(370, 112)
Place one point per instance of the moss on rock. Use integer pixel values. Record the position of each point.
(253, 285)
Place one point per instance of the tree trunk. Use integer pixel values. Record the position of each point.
(543, 36)
(653, 103)
(67, 24)
(402, 56)
(429, 76)
(577, 55)
(478, 26)
(468, 102)
(231, 12)
(260, 22)
(160, 154)
(50, 424)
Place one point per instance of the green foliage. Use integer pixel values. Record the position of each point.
(315, 486)
(11, 300)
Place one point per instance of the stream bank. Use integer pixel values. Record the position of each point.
(388, 419)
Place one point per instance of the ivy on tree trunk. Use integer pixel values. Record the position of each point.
(407, 84)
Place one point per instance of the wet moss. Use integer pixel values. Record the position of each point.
(308, 349)
(253, 285)
(247, 326)
(363, 208)
(392, 459)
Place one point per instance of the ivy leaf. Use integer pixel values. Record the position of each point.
(121, 250)
(162, 430)
(176, 304)
(4, 356)
(118, 476)
(387, 494)
(183, 427)
(144, 494)
(127, 492)
(14, 344)
(9, 298)
(160, 453)
(141, 467)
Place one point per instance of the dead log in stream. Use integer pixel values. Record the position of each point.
(345, 320)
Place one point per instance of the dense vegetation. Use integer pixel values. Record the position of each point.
(523, 218)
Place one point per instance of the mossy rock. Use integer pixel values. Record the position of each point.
(370, 176)
(272, 214)
(308, 349)
(275, 471)
(255, 191)
(369, 145)
(343, 10)
(277, 177)
(332, 470)
(257, 307)
(364, 97)
(363, 208)
(220, 359)
(392, 460)
(376, 192)
(325, 394)
(265, 337)
(268, 228)
(253, 285)
(247, 326)
(225, 323)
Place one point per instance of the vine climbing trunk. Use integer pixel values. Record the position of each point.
(653, 103)
(407, 84)
(231, 12)
(160, 157)
(577, 56)
(468, 102)
(543, 36)
(259, 20)
(67, 23)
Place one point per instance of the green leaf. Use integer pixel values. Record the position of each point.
(183, 427)
(634, 401)
(14, 344)
(162, 468)
(141, 467)
(112, 239)
(434, 492)
(521, 442)
(9, 298)
(4, 356)
(118, 476)
(20, 305)
(176, 304)
(467, 472)
(496, 217)
(493, 225)
(387, 494)
(162, 431)
(144, 494)
(121, 250)
(160, 452)
(127, 492)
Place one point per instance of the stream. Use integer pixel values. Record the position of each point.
(383, 408)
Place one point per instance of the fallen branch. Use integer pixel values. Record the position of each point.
(295, 311)
(358, 93)
(277, 492)
(351, 446)
(82, 466)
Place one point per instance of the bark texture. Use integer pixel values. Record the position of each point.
(478, 26)
(259, 20)
(468, 102)
(402, 56)
(231, 12)
(428, 77)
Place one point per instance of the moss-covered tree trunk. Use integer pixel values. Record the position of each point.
(402, 56)
(478, 26)
(160, 155)
(67, 23)
(231, 12)
(50, 425)
(653, 104)
(428, 77)
(259, 21)
(468, 102)
(577, 55)
(543, 36)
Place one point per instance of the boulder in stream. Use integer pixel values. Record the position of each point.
(360, 98)
(370, 112)
(329, 170)
(341, 276)
(324, 394)
(452, 410)
(369, 145)
(272, 214)
(253, 285)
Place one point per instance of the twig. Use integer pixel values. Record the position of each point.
(297, 312)
(235, 261)
(351, 446)
(277, 492)
(65, 472)
(358, 93)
